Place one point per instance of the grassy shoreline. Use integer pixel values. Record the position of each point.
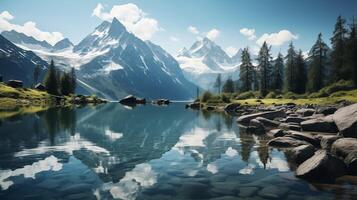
(334, 98)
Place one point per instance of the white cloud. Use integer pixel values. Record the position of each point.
(174, 39)
(213, 34)
(28, 28)
(231, 51)
(133, 18)
(277, 39)
(249, 33)
(193, 30)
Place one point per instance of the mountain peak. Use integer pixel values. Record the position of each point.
(116, 27)
(63, 44)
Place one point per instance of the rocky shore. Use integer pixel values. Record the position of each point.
(322, 140)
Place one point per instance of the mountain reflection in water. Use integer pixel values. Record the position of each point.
(147, 152)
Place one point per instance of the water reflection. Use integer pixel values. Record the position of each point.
(146, 152)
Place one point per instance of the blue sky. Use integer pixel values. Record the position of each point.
(232, 24)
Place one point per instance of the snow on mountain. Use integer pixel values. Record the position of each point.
(112, 62)
(26, 42)
(204, 60)
(63, 45)
(17, 63)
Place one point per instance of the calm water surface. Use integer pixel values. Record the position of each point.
(148, 152)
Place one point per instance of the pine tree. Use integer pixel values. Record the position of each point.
(36, 74)
(218, 83)
(65, 85)
(278, 73)
(73, 81)
(290, 70)
(246, 69)
(338, 42)
(318, 65)
(265, 69)
(51, 80)
(228, 86)
(301, 76)
(351, 52)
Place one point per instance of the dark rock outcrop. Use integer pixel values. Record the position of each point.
(321, 167)
(130, 99)
(268, 122)
(342, 147)
(325, 124)
(346, 120)
(351, 162)
(277, 133)
(302, 153)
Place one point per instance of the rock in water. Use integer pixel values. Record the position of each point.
(346, 120)
(268, 114)
(342, 147)
(277, 133)
(328, 140)
(321, 167)
(302, 153)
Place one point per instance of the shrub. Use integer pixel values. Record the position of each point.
(247, 95)
(271, 95)
(225, 98)
(335, 87)
(206, 96)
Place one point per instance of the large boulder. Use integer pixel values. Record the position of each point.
(268, 115)
(346, 120)
(286, 142)
(327, 110)
(321, 167)
(302, 153)
(342, 147)
(321, 124)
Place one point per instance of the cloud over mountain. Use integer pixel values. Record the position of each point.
(133, 18)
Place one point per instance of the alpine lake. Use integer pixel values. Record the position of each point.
(111, 151)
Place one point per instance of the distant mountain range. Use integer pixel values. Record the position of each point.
(17, 63)
(110, 62)
(204, 60)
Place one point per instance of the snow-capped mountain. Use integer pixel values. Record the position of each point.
(17, 63)
(204, 60)
(63, 45)
(26, 42)
(112, 62)
(127, 65)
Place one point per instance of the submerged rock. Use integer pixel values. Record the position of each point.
(346, 120)
(268, 114)
(321, 167)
